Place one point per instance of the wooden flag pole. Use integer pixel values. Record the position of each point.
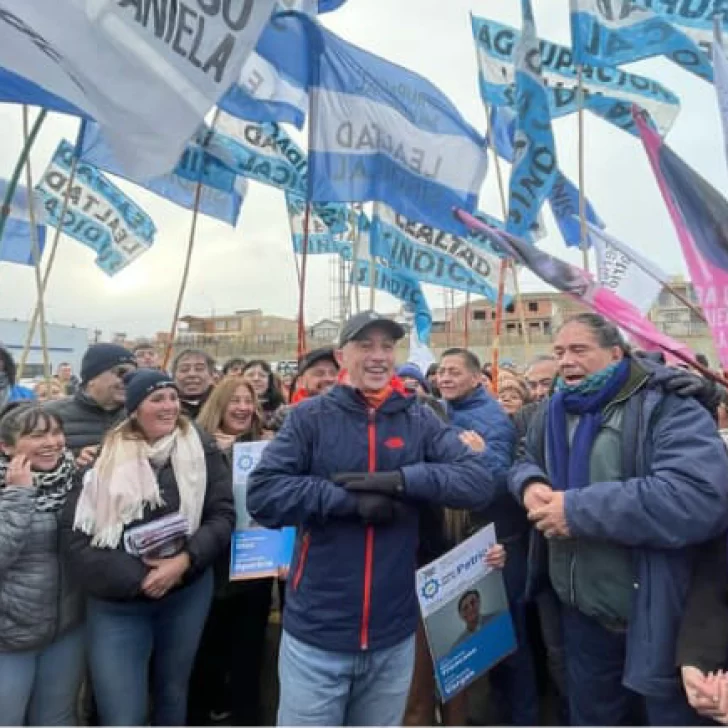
(28, 142)
(35, 247)
(302, 285)
(188, 259)
(582, 190)
(185, 276)
(502, 275)
(466, 325)
(49, 265)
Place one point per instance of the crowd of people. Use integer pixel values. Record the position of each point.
(604, 470)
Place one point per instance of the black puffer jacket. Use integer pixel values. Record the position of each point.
(115, 575)
(84, 422)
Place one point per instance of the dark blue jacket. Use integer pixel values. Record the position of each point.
(674, 497)
(481, 413)
(351, 587)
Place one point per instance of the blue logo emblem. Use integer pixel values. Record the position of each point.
(430, 588)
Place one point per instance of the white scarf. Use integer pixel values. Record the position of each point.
(122, 484)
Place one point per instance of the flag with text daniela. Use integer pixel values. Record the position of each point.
(147, 72)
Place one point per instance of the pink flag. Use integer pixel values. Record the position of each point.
(578, 284)
(700, 216)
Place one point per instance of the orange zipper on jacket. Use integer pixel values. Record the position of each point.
(369, 542)
(301, 560)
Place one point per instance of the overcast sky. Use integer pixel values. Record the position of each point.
(252, 266)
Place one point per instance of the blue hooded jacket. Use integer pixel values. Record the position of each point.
(483, 414)
(352, 586)
(673, 497)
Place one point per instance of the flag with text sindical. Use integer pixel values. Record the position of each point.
(564, 195)
(400, 285)
(613, 32)
(534, 153)
(464, 263)
(146, 72)
(382, 133)
(221, 191)
(16, 243)
(608, 92)
(98, 213)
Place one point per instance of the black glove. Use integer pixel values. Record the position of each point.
(686, 384)
(375, 509)
(389, 483)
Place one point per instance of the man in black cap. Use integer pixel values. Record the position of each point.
(350, 469)
(317, 373)
(98, 405)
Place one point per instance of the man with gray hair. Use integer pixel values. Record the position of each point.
(623, 478)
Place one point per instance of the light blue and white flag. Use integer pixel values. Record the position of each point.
(273, 83)
(222, 191)
(147, 72)
(98, 214)
(400, 285)
(15, 89)
(321, 240)
(564, 195)
(623, 31)
(609, 92)
(534, 153)
(259, 151)
(265, 153)
(380, 132)
(433, 256)
(16, 244)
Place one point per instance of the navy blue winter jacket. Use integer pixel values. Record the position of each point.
(481, 413)
(351, 587)
(674, 497)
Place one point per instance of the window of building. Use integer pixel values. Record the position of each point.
(492, 315)
(220, 325)
(547, 327)
(534, 326)
(479, 315)
(533, 306)
(510, 308)
(511, 328)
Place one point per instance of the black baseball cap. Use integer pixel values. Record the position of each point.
(360, 322)
(315, 356)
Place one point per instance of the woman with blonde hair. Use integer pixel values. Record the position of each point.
(224, 684)
(154, 512)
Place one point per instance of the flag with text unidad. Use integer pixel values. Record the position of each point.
(624, 31)
(16, 243)
(534, 162)
(579, 285)
(382, 133)
(609, 92)
(434, 256)
(700, 216)
(625, 271)
(147, 74)
(98, 213)
(564, 195)
(321, 240)
(221, 191)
